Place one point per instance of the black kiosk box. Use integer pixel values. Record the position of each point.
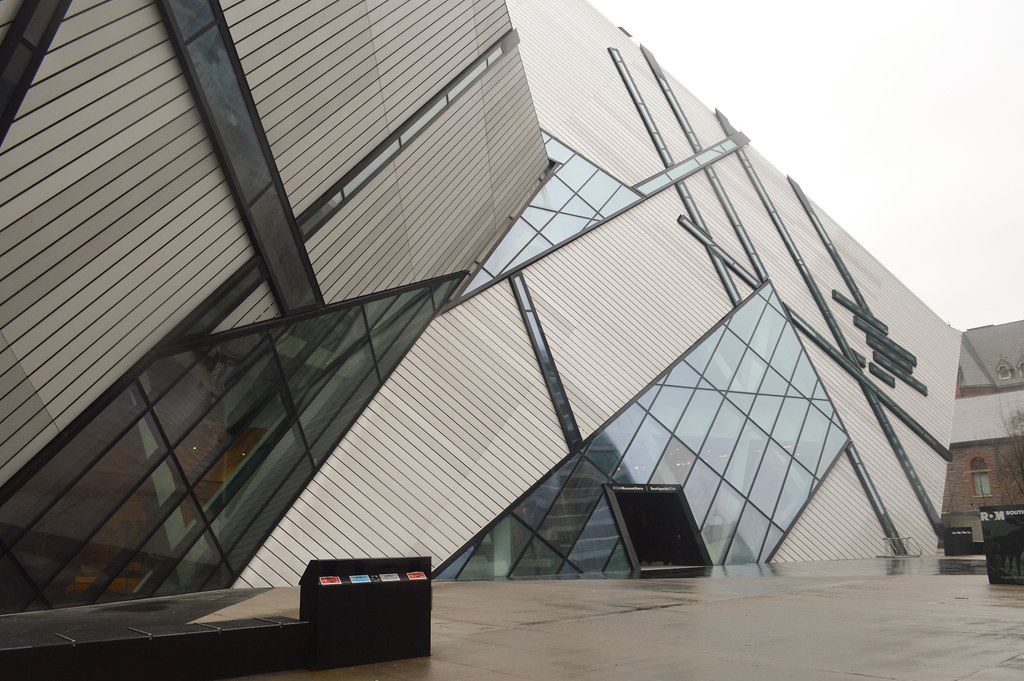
(365, 610)
(1003, 530)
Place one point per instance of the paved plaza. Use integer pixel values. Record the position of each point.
(925, 619)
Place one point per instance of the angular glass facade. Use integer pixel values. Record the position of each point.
(175, 484)
(741, 422)
(574, 199)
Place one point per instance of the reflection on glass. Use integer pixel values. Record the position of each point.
(574, 199)
(742, 477)
(110, 516)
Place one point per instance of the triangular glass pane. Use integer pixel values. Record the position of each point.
(749, 374)
(746, 457)
(825, 406)
(599, 538)
(767, 333)
(497, 550)
(647, 398)
(819, 392)
(750, 535)
(721, 440)
(534, 248)
(452, 571)
(770, 476)
(744, 319)
(675, 466)
(698, 417)
(670, 405)
(623, 197)
(610, 444)
(812, 439)
(722, 519)
(770, 543)
(804, 377)
(794, 495)
(773, 384)
(725, 361)
(571, 509)
(553, 195)
(599, 189)
(699, 356)
(700, 490)
(532, 509)
(773, 300)
(538, 217)
(568, 571)
(643, 453)
(618, 563)
(833, 447)
(577, 207)
(742, 400)
(511, 244)
(575, 172)
(192, 571)
(791, 419)
(765, 410)
(563, 227)
(787, 352)
(537, 561)
(683, 375)
(558, 151)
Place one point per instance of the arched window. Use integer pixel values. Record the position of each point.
(1004, 372)
(979, 476)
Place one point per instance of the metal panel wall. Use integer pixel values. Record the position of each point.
(435, 208)
(332, 79)
(113, 225)
(621, 303)
(460, 430)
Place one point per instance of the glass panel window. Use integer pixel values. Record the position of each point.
(794, 494)
(750, 535)
(569, 512)
(497, 551)
(721, 521)
(534, 507)
(538, 559)
(607, 448)
(744, 319)
(768, 483)
(675, 465)
(69, 523)
(700, 413)
(722, 438)
(599, 537)
(700, 490)
(725, 361)
(746, 457)
(643, 453)
(48, 485)
(670, 405)
(979, 476)
(217, 78)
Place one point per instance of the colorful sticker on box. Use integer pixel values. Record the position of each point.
(324, 581)
(390, 577)
(416, 575)
(359, 579)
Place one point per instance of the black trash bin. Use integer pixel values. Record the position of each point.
(366, 610)
(958, 541)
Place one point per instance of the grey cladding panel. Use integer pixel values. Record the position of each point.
(115, 228)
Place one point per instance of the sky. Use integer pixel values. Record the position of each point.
(903, 120)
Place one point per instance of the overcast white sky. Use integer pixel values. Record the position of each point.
(904, 120)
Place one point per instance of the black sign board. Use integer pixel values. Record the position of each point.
(1003, 530)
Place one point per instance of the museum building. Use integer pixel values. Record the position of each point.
(465, 279)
